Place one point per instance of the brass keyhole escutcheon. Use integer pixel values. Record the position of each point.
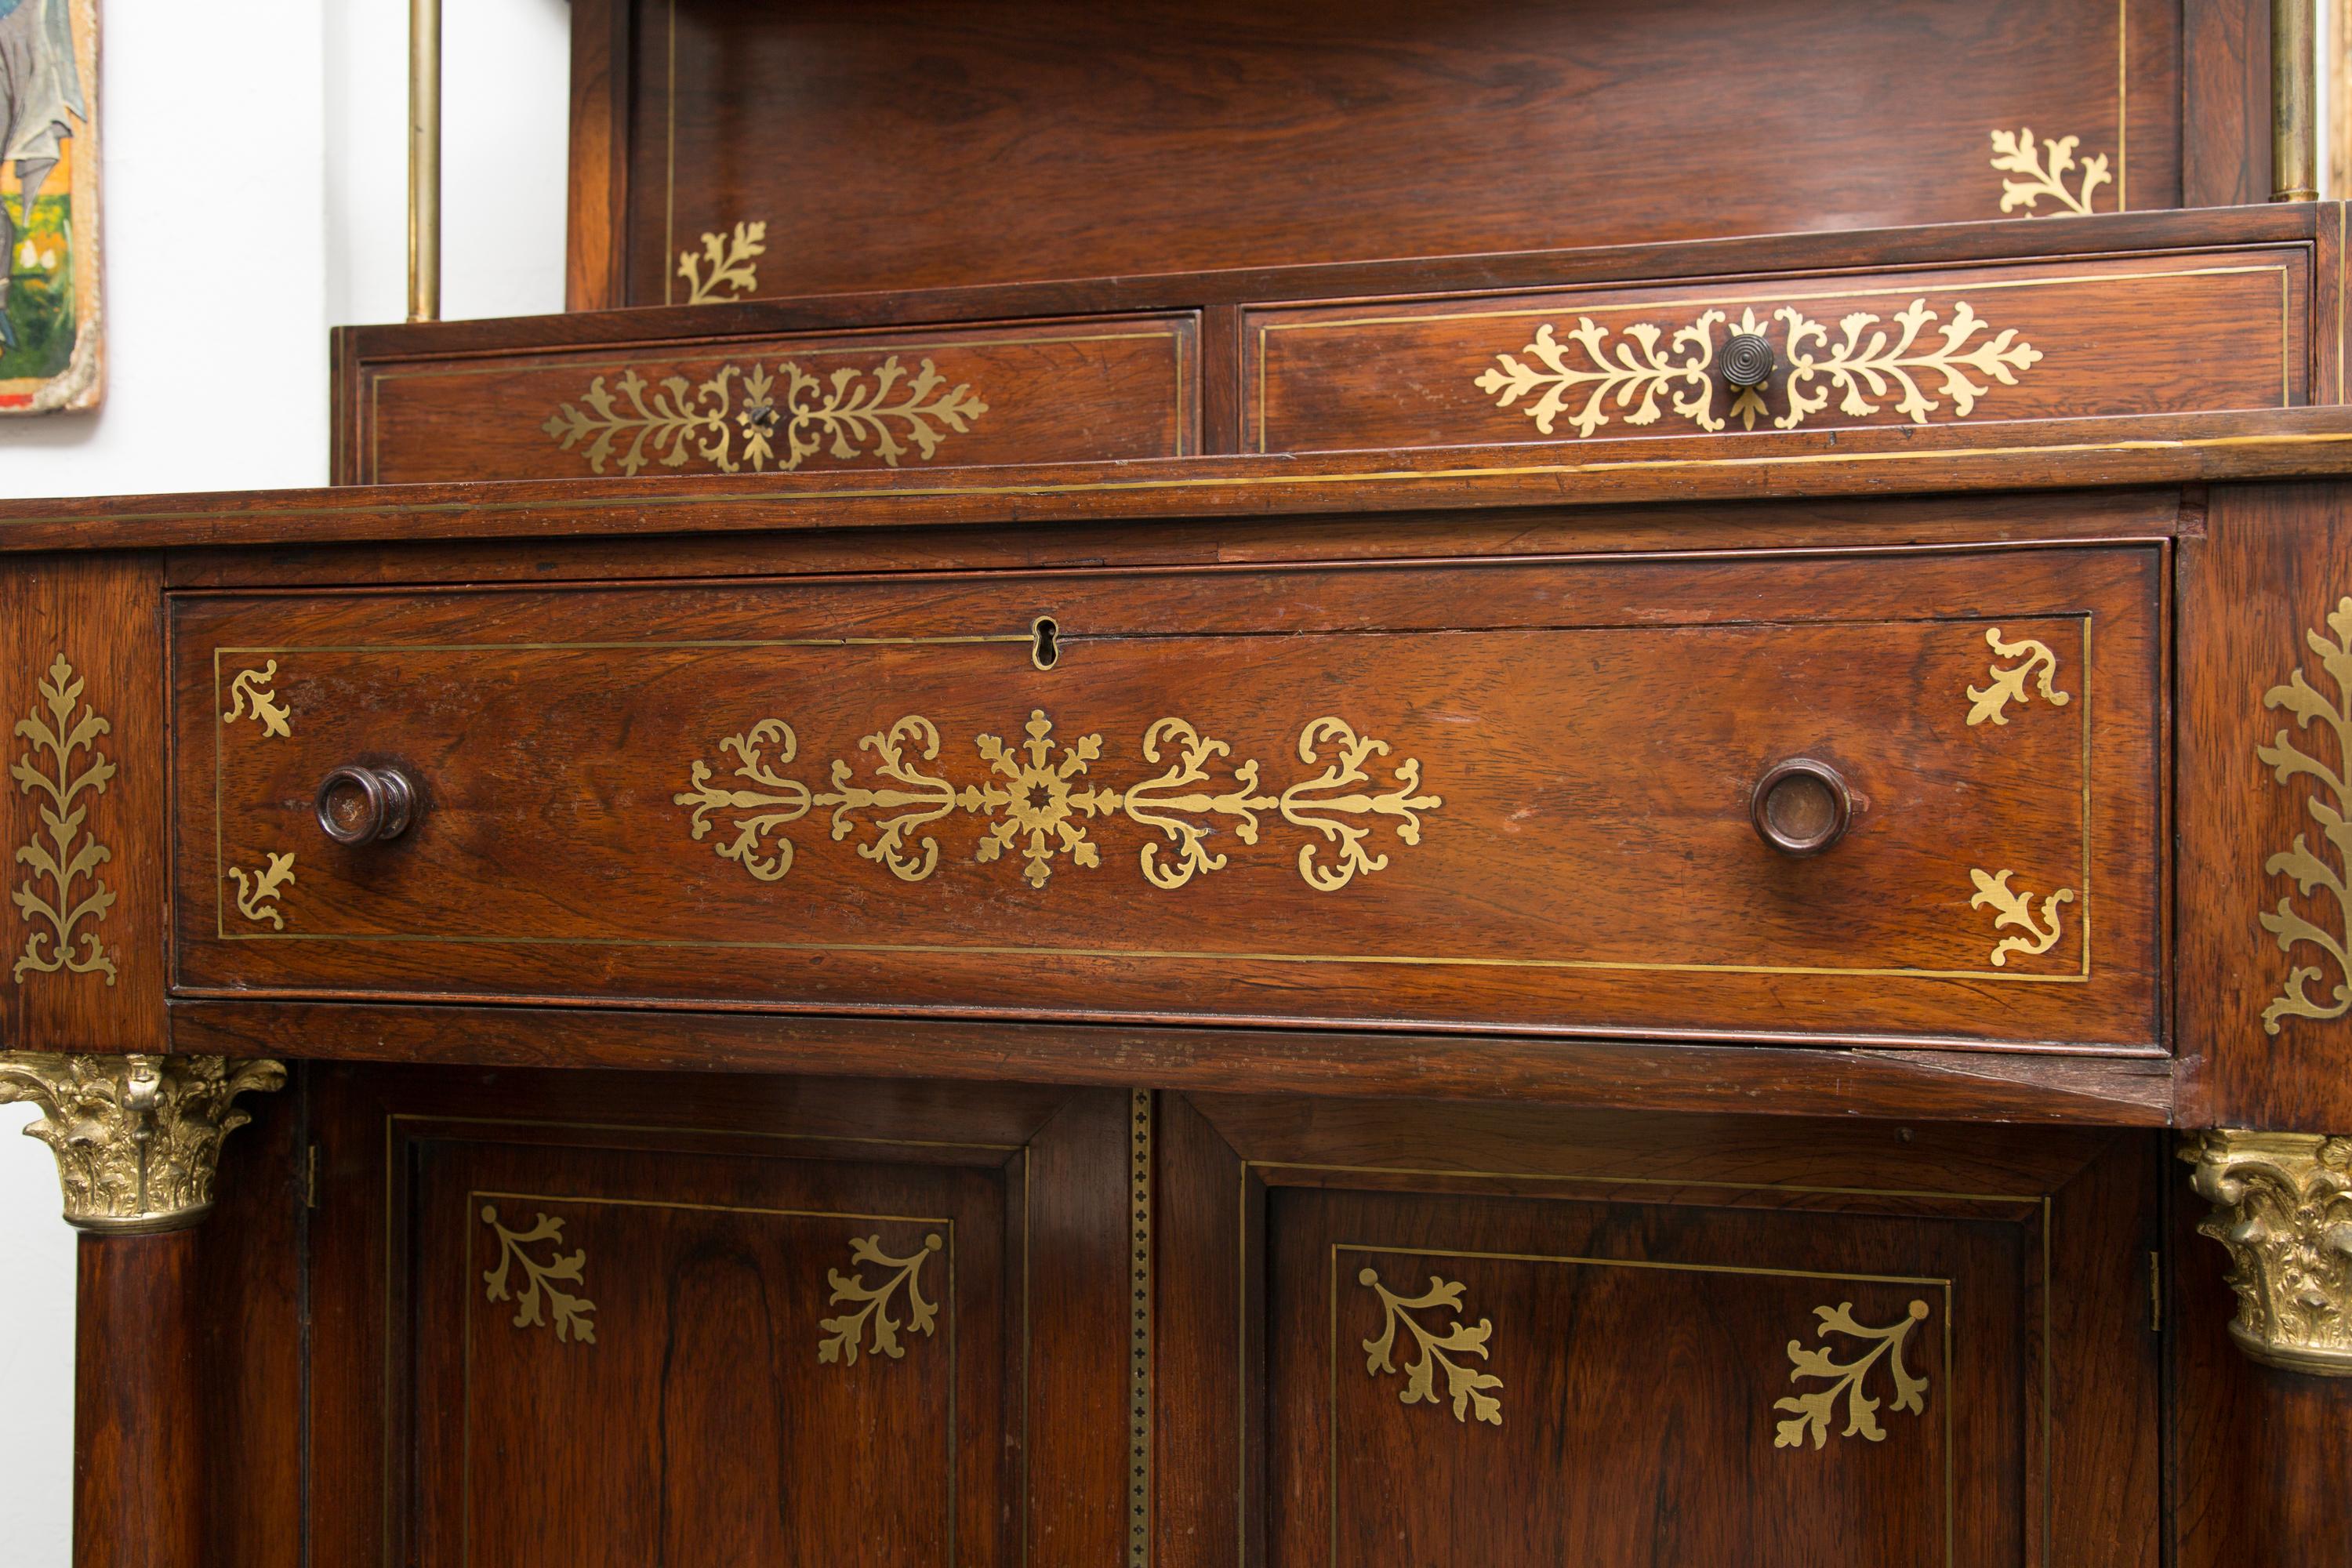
(1044, 651)
(1801, 806)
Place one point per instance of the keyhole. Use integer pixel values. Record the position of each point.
(1045, 652)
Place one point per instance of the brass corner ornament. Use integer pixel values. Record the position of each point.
(66, 772)
(137, 1138)
(2012, 910)
(1470, 1389)
(1810, 1413)
(730, 258)
(2330, 802)
(839, 1347)
(2042, 169)
(2005, 684)
(542, 1283)
(2283, 1206)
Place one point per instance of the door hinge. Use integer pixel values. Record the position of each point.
(2155, 1292)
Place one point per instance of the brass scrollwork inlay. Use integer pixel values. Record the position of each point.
(1467, 1387)
(1810, 1413)
(1039, 800)
(542, 1282)
(2042, 169)
(2007, 685)
(254, 890)
(1865, 363)
(847, 413)
(250, 694)
(2013, 911)
(2330, 805)
(69, 855)
(873, 1313)
(730, 258)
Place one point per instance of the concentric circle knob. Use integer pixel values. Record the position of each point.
(1746, 360)
(366, 805)
(1801, 806)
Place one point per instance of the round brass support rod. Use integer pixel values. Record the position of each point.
(2295, 100)
(424, 159)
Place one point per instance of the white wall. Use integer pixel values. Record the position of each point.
(255, 192)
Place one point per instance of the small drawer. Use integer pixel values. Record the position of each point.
(2184, 332)
(1517, 797)
(1067, 390)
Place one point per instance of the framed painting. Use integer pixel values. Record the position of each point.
(51, 352)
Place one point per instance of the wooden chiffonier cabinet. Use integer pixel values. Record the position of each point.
(1024, 858)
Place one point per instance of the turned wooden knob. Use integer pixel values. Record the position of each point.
(1801, 806)
(366, 805)
(1746, 360)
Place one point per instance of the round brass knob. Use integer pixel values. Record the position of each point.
(366, 805)
(1801, 806)
(1746, 360)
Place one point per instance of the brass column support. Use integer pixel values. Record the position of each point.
(137, 1138)
(2295, 100)
(424, 160)
(2283, 1206)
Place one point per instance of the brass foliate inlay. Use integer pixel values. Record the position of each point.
(2012, 910)
(249, 695)
(1917, 359)
(1811, 1414)
(2283, 1206)
(1039, 801)
(542, 1284)
(1470, 1389)
(2042, 169)
(757, 416)
(66, 772)
(255, 891)
(727, 267)
(873, 1317)
(2006, 684)
(2316, 876)
(137, 1138)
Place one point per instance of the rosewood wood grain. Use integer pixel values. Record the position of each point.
(1064, 390)
(932, 145)
(1596, 726)
(594, 276)
(143, 1472)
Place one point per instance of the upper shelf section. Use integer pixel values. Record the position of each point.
(1969, 336)
(927, 144)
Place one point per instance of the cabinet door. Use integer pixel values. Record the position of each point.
(720, 1322)
(1495, 1337)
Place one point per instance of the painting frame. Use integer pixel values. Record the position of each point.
(52, 316)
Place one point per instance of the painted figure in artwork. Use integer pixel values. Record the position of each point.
(41, 102)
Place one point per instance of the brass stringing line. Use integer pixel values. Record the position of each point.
(780, 342)
(1641, 1263)
(427, 1118)
(720, 1209)
(1248, 1165)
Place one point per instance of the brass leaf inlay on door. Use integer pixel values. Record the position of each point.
(542, 1283)
(737, 416)
(2042, 169)
(250, 695)
(1038, 801)
(2005, 685)
(1869, 360)
(873, 1317)
(61, 766)
(2329, 804)
(1811, 1414)
(255, 891)
(729, 256)
(2013, 911)
(1467, 1387)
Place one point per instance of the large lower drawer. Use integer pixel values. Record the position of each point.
(1516, 795)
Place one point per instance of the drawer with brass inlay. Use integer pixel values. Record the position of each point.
(1891, 796)
(2173, 333)
(1069, 390)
